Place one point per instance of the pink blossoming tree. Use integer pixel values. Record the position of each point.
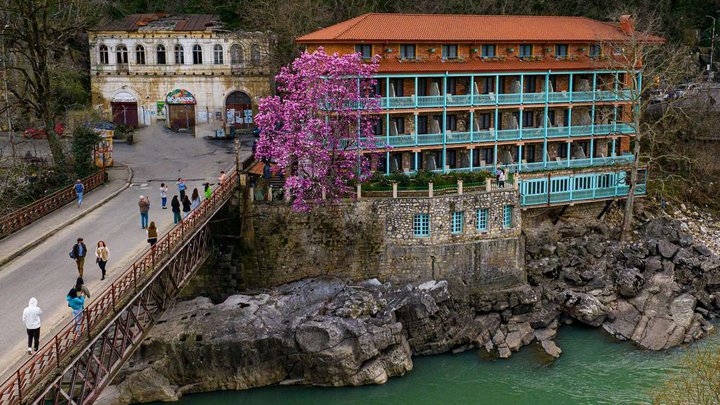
(313, 129)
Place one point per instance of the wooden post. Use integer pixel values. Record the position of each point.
(460, 187)
(430, 189)
(359, 190)
(252, 194)
(394, 189)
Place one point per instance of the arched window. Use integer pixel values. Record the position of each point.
(161, 55)
(121, 54)
(197, 55)
(179, 55)
(218, 54)
(236, 54)
(255, 54)
(140, 54)
(104, 55)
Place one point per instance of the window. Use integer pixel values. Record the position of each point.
(218, 56)
(179, 55)
(449, 51)
(422, 86)
(255, 54)
(488, 85)
(421, 225)
(528, 119)
(451, 156)
(197, 55)
(561, 51)
(121, 55)
(422, 124)
(487, 155)
(507, 216)
(161, 55)
(525, 51)
(451, 84)
(399, 124)
(457, 222)
(236, 54)
(551, 118)
(529, 152)
(562, 151)
(530, 84)
(104, 55)
(139, 55)
(482, 219)
(364, 50)
(595, 51)
(451, 122)
(488, 51)
(484, 120)
(407, 51)
(397, 84)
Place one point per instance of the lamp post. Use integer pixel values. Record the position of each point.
(712, 46)
(7, 100)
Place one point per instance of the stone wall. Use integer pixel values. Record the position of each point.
(372, 238)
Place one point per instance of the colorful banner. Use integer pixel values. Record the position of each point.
(180, 96)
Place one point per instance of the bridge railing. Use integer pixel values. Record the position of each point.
(59, 350)
(30, 213)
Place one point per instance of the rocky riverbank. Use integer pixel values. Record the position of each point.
(658, 291)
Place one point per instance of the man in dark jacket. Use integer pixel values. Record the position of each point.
(78, 253)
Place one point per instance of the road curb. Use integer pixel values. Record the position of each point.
(19, 252)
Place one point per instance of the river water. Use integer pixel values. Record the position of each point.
(593, 369)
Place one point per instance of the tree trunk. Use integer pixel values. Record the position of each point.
(56, 148)
(630, 202)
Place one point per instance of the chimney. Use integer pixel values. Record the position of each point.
(627, 24)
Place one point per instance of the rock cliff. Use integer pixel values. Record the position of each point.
(658, 292)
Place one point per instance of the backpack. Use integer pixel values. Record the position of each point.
(72, 253)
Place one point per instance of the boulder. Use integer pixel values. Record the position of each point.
(629, 281)
(666, 249)
(584, 308)
(551, 348)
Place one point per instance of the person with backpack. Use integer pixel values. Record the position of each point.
(79, 191)
(78, 253)
(81, 287)
(175, 205)
(76, 302)
(31, 317)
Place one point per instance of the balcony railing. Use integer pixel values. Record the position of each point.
(578, 187)
(467, 100)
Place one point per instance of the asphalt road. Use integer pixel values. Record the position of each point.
(46, 271)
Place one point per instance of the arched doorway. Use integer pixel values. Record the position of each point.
(238, 111)
(180, 109)
(124, 109)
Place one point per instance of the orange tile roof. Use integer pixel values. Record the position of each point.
(475, 64)
(378, 27)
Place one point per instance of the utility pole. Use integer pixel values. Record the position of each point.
(712, 47)
(7, 100)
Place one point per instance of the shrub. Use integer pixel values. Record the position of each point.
(83, 144)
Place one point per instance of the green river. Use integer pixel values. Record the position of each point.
(592, 370)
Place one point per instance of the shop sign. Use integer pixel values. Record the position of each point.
(180, 96)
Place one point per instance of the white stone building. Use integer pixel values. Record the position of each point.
(181, 69)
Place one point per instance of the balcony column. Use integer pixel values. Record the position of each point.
(415, 118)
(470, 151)
(616, 78)
(570, 87)
(546, 118)
(520, 158)
(592, 111)
(522, 86)
(387, 142)
(387, 92)
(615, 117)
(416, 153)
(472, 124)
(472, 90)
(496, 123)
(520, 123)
(497, 91)
(613, 147)
(569, 121)
(592, 150)
(443, 128)
(568, 153)
(415, 99)
(495, 159)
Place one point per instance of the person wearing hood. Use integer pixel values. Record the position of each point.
(31, 317)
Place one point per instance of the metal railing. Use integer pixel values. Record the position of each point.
(30, 213)
(75, 364)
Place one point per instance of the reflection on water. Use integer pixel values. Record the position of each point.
(592, 370)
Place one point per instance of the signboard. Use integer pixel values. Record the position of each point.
(160, 105)
(103, 150)
(180, 96)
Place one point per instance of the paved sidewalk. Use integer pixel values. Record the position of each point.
(21, 241)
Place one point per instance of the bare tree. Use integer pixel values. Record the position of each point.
(40, 35)
(649, 63)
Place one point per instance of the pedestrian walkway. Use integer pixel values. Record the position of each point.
(45, 270)
(21, 241)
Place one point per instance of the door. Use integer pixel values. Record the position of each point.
(238, 110)
(125, 113)
(181, 116)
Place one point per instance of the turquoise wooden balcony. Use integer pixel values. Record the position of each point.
(562, 189)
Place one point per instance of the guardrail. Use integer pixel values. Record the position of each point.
(29, 382)
(30, 213)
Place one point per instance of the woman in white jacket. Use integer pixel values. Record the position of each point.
(31, 317)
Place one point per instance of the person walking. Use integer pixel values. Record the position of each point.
(175, 205)
(102, 254)
(163, 195)
(78, 253)
(79, 191)
(76, 302)
(81, 287)
(186, 206)
(195, 200)
(501, 179)
(152, 234)
(31, 317)
(208, 191)
(181, 187)
(144, 205)
(221, 179)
